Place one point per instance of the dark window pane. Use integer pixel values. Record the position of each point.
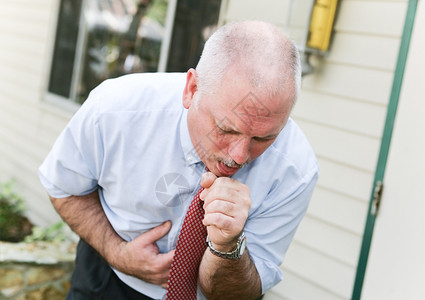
(119, 37)
(122, 37)
(65, 47)
(195, 21)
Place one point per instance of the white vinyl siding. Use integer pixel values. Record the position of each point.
(28, 126)
(274, 11)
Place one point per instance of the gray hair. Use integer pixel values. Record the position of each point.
(265, 56)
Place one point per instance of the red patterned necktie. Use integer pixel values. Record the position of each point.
(183, 279)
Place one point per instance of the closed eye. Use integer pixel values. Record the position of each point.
(227, 131)
(264, 139)
(255, 138)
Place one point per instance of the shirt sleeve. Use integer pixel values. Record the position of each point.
(73, 165)
(270, 229)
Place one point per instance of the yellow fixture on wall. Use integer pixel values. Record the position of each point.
(321, 24)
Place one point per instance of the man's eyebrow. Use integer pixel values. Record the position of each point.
(227, 128)
(222, 125)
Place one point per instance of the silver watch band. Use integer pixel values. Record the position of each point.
(233, 255)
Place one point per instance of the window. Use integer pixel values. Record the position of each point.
(194, 22)
(100, 39)
(64, 52)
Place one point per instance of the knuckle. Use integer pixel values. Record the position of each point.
(225, 180)
(226, 223)
(228, 208)
(220, 180)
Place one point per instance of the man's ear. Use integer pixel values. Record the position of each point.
(190, 88)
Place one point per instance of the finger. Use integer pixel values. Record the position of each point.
(166, 258)
(159, 270)
(159, 279)
(163, 263)
(219, 206)
(214, 190)
(224, 194)
(219, 221)
(165, 285)
(156, 233)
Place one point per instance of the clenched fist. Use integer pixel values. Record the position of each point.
(226, 205)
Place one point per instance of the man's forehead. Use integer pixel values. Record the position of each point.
(251, 109)
(251, 106)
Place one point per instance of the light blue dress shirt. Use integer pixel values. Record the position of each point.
(130, 140)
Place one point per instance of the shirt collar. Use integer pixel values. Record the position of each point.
(190, 154)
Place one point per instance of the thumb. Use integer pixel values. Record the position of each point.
(156, 233)
(207, 179)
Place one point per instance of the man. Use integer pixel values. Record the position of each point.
(124, 171)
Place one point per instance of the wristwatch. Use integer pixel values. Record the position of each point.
(235, 254)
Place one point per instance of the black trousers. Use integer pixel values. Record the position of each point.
(94, 279)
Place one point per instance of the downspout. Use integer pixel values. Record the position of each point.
(384, 149)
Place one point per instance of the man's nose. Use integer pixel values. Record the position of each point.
(239, 150)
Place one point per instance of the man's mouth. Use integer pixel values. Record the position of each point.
(228, 168)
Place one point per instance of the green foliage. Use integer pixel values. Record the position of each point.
(9, 199)
(15, 227)
(13, 224)
(158, 11)
(53, 233)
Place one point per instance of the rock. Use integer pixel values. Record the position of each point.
(39, 252)
(35, 271)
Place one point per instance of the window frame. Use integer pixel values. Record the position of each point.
(70, 103)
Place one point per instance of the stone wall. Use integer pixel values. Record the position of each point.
(35, 271)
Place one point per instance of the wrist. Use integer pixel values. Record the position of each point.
(114, 256)
(222, 247)
(233, 252)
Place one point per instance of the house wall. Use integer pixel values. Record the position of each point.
(341, 108)
(28, 125)
(396, 268)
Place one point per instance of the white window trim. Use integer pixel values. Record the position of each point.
(166, 43)
(69, 104)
